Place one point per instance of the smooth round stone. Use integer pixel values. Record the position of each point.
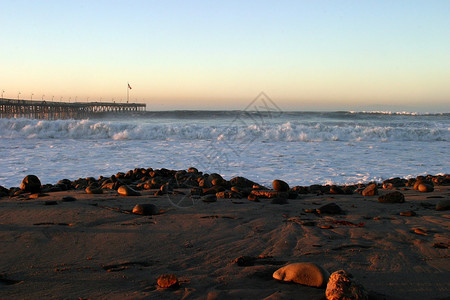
(309, 274)
(370, 190)
(146, 209)
(125, 190)
(280, 186)
(394, 197)
(31, 183)
(342, 286)
(425, 188)
(93, 190)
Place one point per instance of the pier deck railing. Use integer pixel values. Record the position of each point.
(49, 110)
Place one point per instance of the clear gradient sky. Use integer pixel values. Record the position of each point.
(305, 55)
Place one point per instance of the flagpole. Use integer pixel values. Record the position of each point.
(128, 91)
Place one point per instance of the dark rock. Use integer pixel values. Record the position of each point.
(3, 191)
(394, 183)
(241, 182)
(394, 197)
(300, 189)
(192, 170)
(93, 190)
(336, 190)
(31, 183)
(245, 261)
(280, 186)
(370, 190)
(146, 209)
(125, 190)
(213, 190)
(330, 209)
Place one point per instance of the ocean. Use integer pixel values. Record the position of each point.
(302, 148)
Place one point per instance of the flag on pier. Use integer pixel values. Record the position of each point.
(129, 86)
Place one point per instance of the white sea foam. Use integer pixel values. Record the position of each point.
(291, 131)
(301, 148)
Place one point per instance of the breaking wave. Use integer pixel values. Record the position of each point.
(286, 131)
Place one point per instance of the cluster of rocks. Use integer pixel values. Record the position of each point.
(339, 285)
(210, 187)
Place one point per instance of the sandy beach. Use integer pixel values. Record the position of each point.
(74, 245)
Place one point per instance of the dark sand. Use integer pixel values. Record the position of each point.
(95, 248)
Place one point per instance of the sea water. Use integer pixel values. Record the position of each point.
(301, 148)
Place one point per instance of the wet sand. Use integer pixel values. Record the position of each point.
(94, 247)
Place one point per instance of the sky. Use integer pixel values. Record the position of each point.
(305, 55)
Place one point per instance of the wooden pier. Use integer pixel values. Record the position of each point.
(49, 110)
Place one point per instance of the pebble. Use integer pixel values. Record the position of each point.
(370, 190)
(125, 190)
(146, 209)
(342, 286)
(280, 186)
(394, 197)
(168, 281)
(31, 183)
(304, 273)
(443, 205)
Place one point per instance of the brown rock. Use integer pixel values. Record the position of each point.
(31, 183)
(425, 188)
(309, 274)
(334, 189)
(370, 190)
(93, 190)
(394, 197)
(146, 209)
(125, 190)
(342, 286)
(280, 186)
(168, 281)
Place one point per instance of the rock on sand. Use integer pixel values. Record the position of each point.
(342, 286)
(309, 274)
(31, 183)
(394, 197)
(146, 209)
(125, 190)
